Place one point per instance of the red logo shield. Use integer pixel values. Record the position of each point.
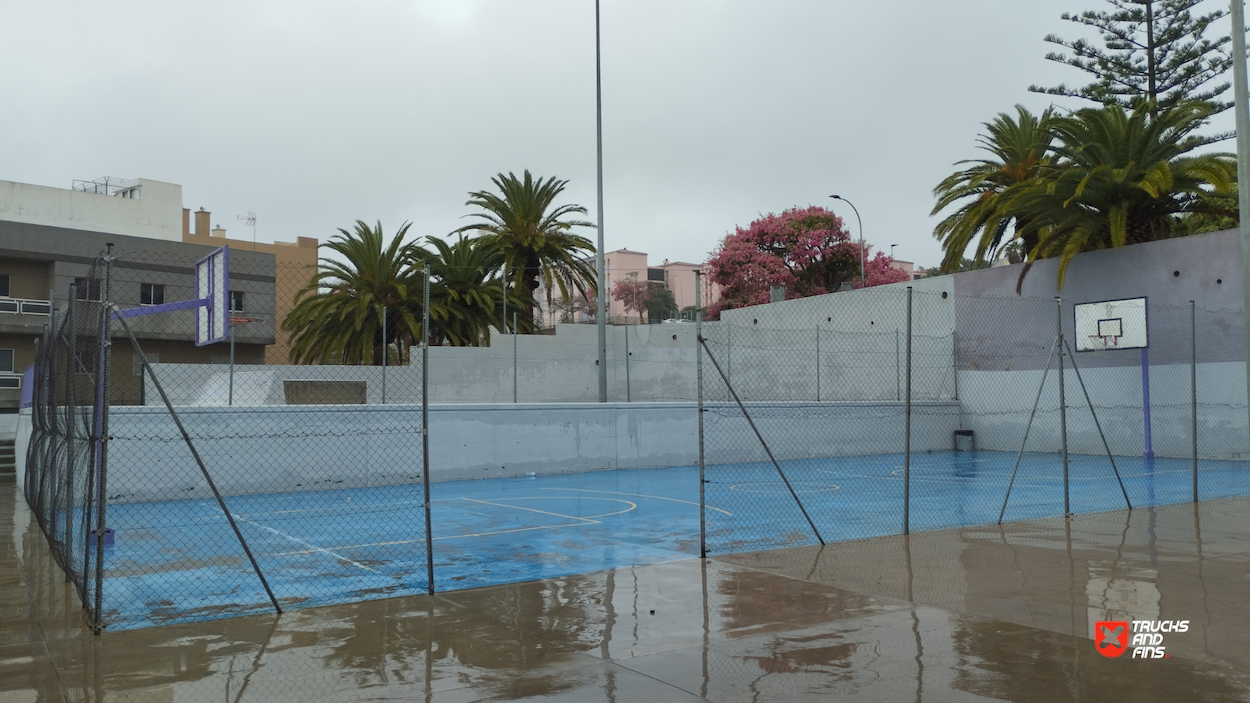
(1111, 637)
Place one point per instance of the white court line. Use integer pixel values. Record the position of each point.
(312, 547)
(532, 510)
(587, 521)
(632, 505)
(636, 495)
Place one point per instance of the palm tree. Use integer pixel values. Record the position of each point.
(337, 317)
(1121, 178)
(534, 237)
(1021, 149)
(467, 292)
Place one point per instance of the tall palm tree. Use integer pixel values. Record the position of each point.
(534, 236)
(1021, 149)
(337, 317)
(1121, 178)
(467, 292)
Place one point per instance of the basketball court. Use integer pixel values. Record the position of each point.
(336, 546)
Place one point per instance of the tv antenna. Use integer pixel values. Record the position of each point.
(250, 220)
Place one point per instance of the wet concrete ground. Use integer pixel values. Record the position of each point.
(956, 615)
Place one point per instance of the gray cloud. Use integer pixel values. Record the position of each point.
(314, 114)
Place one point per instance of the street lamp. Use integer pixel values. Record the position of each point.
(601, 274)
(892, 250)
(861, 237)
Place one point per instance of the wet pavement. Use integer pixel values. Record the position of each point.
(956, 615)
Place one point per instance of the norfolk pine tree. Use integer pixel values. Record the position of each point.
(1154, 53)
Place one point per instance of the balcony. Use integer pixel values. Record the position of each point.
(25, 306)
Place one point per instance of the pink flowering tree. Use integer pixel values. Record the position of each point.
(633, 293)
(807, 250)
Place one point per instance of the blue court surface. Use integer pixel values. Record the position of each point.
(177, 561)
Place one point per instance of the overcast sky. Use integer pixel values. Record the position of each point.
(314, 114)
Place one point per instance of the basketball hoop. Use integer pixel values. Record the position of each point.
(244, 320)
(1095, 338)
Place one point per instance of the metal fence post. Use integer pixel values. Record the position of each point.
(698, 367)
(385, 352)
(628, 394)
(1193, 389)
(106, 356)
(818, 364)
(907, 428)
(230, 393)
(425, 425)
(71, 414)
(898, 388)
(514, 369)
(1063, 406)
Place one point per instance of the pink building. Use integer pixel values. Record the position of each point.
(625, 264)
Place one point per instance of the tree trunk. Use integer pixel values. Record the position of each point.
(1151, 89)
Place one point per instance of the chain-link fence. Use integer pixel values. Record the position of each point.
(65, 448)
(997, 416)
(223, 479)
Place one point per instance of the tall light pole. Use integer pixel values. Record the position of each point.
(1242, 113)
(861, 237)
(602, 315)
(892, 250)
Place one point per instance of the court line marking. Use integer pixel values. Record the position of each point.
(636, 495)
(312, 547)
(411, 541)
(587, 521)
(734, 487)
(632, 506)
(532, 510)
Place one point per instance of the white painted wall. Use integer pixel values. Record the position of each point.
(996, 405)
(156, 214)
(20, 446)
(304, 448)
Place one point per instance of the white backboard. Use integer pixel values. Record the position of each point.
(1111, 324)
(212, 283)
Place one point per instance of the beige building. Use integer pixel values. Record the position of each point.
(626, 264)
(295, 263)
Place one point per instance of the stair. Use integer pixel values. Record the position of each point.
(8, 461)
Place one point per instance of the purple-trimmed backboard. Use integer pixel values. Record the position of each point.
(212, 284)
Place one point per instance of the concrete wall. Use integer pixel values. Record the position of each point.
(996, 405)
(293, 449)
(155, 214)
(21, 444)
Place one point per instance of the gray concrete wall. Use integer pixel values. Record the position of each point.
(281, 449)
(996, 405)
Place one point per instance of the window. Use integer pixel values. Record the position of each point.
(6, 361)
(88, 288)
(151, 294)
(236, 301)
(4, 285)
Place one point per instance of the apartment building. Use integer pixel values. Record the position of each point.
(51, 237)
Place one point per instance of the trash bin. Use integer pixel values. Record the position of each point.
(964, 441)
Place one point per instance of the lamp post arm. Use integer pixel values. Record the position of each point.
(862, 260)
